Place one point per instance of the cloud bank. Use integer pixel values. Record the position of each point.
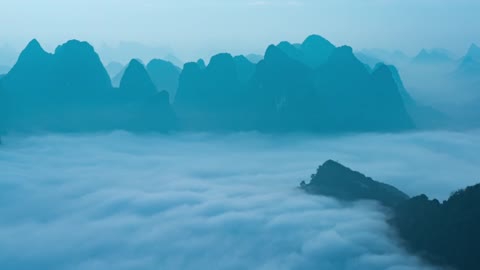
(120, 201)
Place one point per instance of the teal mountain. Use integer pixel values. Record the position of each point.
(165, 76)
(69, 91)
(308, 87)
(434, 56)
(331, 92)
(470, 64)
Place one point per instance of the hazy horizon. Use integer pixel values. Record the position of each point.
(191, 29)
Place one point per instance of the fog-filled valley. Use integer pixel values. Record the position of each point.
(196, 201)
(226, 136)
(205, 166)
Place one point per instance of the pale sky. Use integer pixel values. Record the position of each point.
(193, 28)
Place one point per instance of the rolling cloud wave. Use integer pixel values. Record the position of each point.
(120, 201)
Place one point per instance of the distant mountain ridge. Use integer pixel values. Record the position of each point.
(434, 56)
(468, 67)
(136, 81)
(308, 87)
(470, 64)
(165, 76)
(313, 52)
(288, 93)
(68, 91)
(113, 68)
(384, 56)
(474, 52)
(425, 117)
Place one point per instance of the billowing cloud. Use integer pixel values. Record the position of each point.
(120, 201)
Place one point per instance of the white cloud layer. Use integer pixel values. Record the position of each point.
(119, 201)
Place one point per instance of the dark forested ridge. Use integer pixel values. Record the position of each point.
(445, 233)
(335, 180)
(308, 87)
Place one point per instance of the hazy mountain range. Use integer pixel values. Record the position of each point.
(314, 86)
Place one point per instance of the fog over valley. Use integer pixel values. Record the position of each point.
(194, 201)
(240, 134)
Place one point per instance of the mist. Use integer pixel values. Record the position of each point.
(202, 201)
(435, 84)
(242, 26)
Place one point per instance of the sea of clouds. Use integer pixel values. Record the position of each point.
(201, 201)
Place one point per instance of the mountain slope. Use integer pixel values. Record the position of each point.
(335, 180)
(445, 233)
(165, 76)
